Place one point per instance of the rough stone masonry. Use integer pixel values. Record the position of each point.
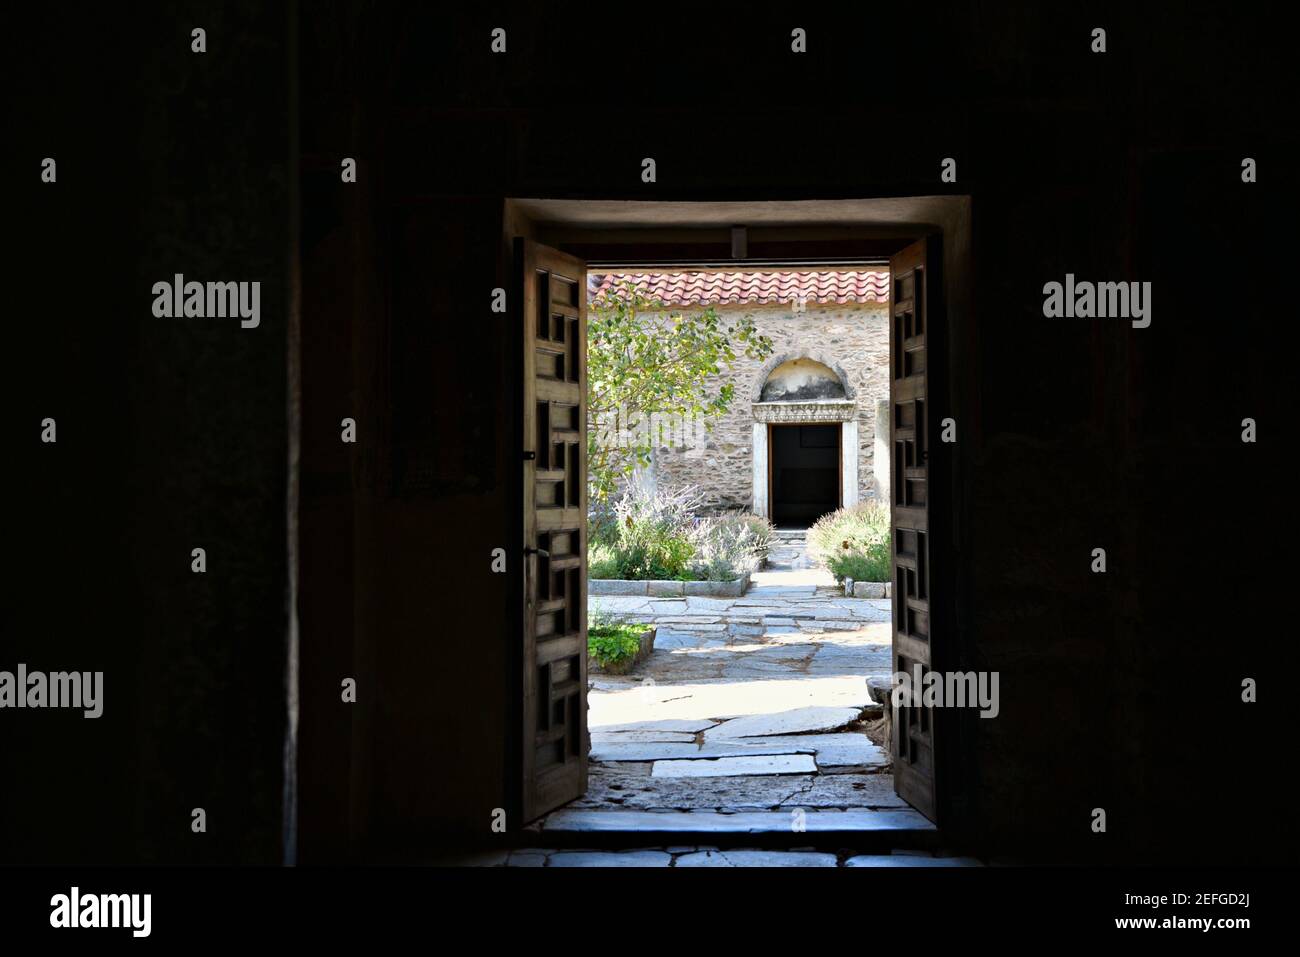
(852, 338)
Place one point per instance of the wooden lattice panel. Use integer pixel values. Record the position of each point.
(913, 727)
(555, 529)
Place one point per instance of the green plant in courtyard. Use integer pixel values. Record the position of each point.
(610, 641)
(854, 542)
(645, 364)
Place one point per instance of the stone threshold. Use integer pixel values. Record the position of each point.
(898, 824)
(697, 856)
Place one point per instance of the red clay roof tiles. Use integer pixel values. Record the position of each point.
(729, 288)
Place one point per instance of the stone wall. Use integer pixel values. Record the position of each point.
(852, 339)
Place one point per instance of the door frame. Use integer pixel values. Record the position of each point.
(828, 233)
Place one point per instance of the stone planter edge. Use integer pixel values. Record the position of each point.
(869, 590)
(734, 588)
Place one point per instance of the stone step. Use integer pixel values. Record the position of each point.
(756, 858)
(692, 856)
(899, 824)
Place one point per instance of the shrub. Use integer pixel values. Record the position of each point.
(730, 545)
(854, 542)
(602, 562)
(873, 565)
(657, 535)
(762, 533)
(646, 535)
(602, 525)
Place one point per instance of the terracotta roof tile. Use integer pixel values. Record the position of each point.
(729, 288)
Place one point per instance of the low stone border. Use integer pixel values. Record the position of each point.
(854, 589)
(668, 589)
(627, 664)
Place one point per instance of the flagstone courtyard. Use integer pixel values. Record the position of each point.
(748, 710)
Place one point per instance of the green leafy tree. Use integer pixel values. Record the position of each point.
(646, 365)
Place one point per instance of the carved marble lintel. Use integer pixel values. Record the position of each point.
(828, 410)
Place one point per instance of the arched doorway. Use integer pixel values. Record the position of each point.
(805, 442)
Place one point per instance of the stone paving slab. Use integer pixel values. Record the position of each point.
(614, 751)
(830, 624)
(793, 722)
(689, 725)
(861, 665)
(756, 859)
(633, 699)
(641, 737)
(790, 635)
(848, 749)
(735, 766)
(676, 640)
(761, 666)
(861, 642)
(709, 606)
(744, 822)
(624, 603)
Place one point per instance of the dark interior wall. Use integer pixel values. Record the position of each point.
(399, 528)
(1119, 691)
(171, 432)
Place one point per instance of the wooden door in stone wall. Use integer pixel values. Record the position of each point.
(553, 303)
(913, 726)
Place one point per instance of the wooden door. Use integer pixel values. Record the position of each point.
(553, 298)
(913, 726)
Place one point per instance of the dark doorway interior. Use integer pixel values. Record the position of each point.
(805, 473)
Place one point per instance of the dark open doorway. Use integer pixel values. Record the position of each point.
(805, 473)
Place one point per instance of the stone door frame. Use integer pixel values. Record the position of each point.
(824, 412)
(618, 234)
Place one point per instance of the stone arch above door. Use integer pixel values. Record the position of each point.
(813, 357)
